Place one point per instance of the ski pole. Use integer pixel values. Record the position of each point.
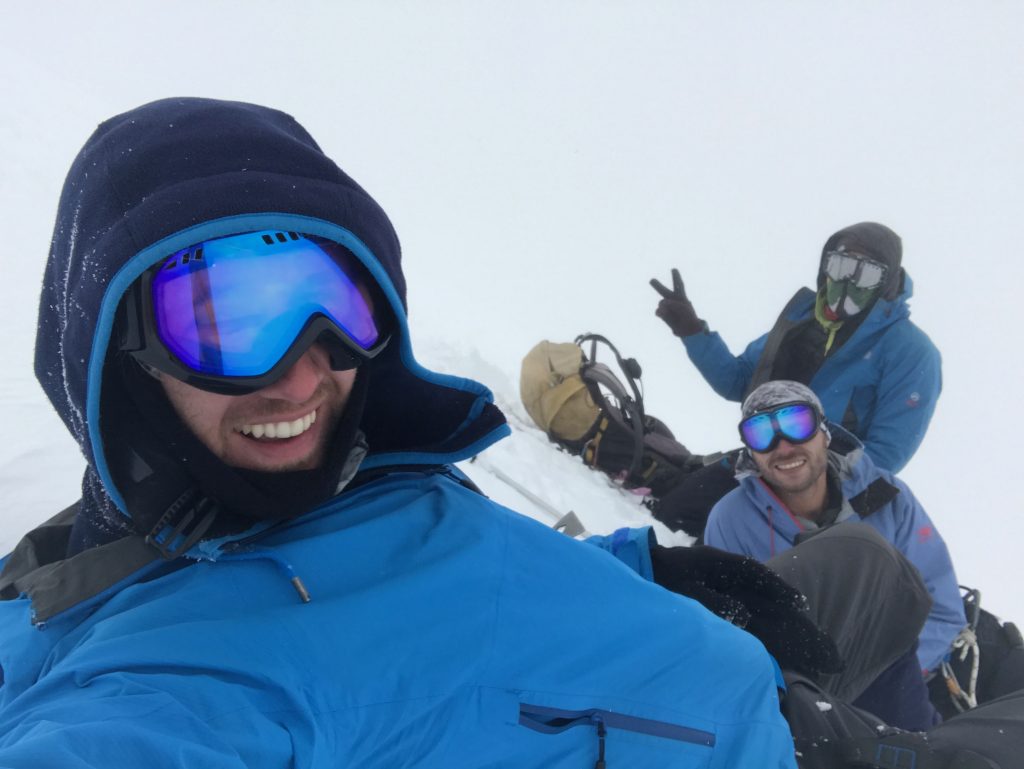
(567, 523)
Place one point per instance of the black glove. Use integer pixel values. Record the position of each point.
(675, 309)
(753, 597)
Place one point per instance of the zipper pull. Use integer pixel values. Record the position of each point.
(300, 588)
(601, 732)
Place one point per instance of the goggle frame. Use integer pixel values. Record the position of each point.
(779, 431)
(850, 266)
(140, 337)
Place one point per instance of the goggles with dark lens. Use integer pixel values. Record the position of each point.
(796, 422)
(233, 314)
(858, 270)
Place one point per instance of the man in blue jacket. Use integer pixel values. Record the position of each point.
(799, 477)
(851, 341)
(273, 563)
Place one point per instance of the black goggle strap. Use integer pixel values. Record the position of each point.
(128, 323)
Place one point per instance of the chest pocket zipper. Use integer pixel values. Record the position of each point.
(555, 720)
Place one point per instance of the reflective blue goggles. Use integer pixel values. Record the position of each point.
(796, 422)
(233, 314)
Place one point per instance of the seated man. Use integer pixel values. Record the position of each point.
(799, 476)
(272, 563)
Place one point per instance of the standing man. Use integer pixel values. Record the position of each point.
(798, 477)
(273, 562)
(851, 341)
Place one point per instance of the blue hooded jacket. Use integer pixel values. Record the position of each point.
(443, 630)
(883, 382)
(752, 521)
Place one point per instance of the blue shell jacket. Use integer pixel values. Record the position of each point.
(888, 373)
(751, 520)
(443, 629)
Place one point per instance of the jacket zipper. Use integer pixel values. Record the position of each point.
(555, 720)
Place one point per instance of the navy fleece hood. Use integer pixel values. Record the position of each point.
(179, 171)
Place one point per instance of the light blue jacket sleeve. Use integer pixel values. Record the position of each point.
(631, 546)
(727, 374)
(918, 539)
(719, 533)
(908, 389)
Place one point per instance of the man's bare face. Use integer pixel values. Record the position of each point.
(285, 426)
(793, 468)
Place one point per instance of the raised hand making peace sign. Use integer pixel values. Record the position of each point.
(675, 309)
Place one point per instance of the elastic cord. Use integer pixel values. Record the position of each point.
(282, 565)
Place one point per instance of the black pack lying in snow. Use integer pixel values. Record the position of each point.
(598, 414)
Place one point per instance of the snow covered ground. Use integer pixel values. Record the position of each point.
(541, 161)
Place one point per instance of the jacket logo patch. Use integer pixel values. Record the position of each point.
(925, 533)
(914, 400)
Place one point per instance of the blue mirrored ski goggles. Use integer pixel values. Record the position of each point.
(233, 314)
(796, 422)
(859, 270)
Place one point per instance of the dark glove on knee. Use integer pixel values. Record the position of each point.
(675, 309)
(751, 596)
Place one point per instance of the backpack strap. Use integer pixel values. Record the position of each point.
(630, 367)
(626, 412)
(874, 497)
(765, 364)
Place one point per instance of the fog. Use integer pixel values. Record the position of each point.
(541, 161)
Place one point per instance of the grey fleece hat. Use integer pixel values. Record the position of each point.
(777, 392)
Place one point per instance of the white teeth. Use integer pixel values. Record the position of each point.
(790, 465)
(280, 429)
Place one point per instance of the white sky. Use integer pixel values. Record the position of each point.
(542, 160)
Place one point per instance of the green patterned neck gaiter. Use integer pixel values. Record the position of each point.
(843, 299)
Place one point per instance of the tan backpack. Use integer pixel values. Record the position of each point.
(584, 407)
(553, 392)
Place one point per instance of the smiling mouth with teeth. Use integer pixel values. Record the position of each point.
(279, 430)
(790, 465)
